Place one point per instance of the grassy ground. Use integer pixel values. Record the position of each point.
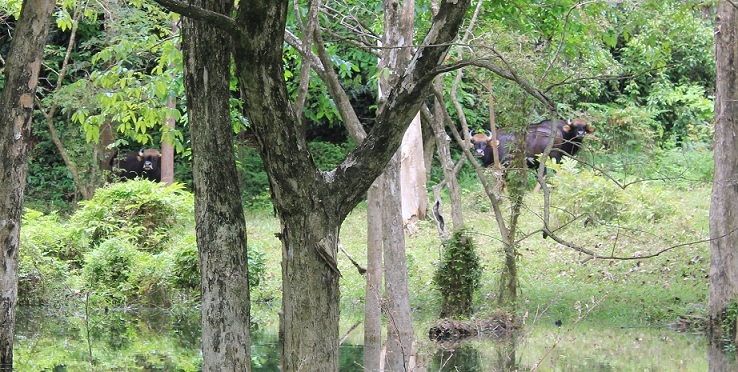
(556, 282)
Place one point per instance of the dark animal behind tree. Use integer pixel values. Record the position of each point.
(567, 141)
(145, 164)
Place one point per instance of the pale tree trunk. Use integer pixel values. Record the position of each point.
(103, 149)
(724, 203)
(373, 297)
(167, 141)
(398, 32)
(412, 177)
(167, 146)
(16, 112)
(399, 341)
(220, 229)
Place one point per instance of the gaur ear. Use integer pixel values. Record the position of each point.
(566, 128)
(141, 152)
(590, 129)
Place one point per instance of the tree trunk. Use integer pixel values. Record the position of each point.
(167, 146)
(447, 164)
(398, 31)
(399, 319)
(412, 177)
(373, 297)
(16, 112)
(221, 235)
(167, 142)
(724, 203)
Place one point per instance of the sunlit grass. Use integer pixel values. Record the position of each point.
(554, 280)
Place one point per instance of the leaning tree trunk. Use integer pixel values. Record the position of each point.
(724, 203)
(16, 112)
(221, 235)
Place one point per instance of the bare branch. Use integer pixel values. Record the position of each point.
(489, 65)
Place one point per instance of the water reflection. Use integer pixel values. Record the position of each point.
(162, 341)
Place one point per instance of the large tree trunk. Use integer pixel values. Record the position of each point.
(221, 235)
(16, 112)
(724, 203)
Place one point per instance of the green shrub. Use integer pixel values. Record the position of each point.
(141, 212)
(121, 274)
(108, 269)
(41, 275)
(586, 193)
(457, 276)
(186, 269)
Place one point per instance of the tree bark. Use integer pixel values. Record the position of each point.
(220, 229)
(724, 202)
(16, 112)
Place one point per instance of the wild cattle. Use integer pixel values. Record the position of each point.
(143, 164)
(480, 142)
(567, 141)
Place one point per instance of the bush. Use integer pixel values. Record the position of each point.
(139, 211)
(41, 275)
(457, 276)
(109, 270)
(584, 192)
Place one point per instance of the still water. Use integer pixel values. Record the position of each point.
(161, 341)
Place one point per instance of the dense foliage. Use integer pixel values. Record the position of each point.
(133, 243)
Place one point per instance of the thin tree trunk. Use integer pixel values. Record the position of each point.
(724, 203)
(398, 32)
(373, 297)
(399, 319)
(447, 164)
(16, 112)
(221, 233)
(167, 146)
(167, 141)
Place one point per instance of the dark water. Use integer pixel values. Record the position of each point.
(164, 341)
